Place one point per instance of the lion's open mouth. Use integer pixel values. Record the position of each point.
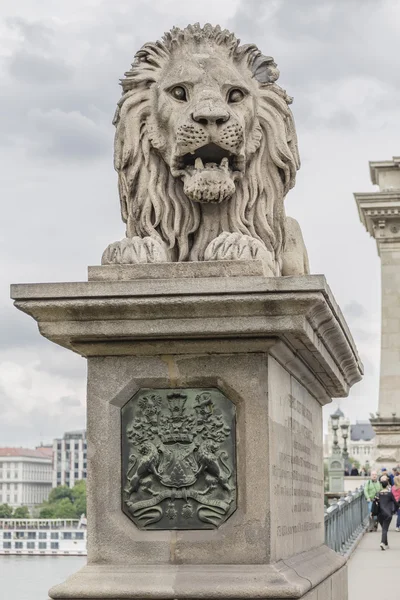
(210, 156)
(209, 173)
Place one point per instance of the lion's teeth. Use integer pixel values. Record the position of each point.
(225, 163)
(198, 163)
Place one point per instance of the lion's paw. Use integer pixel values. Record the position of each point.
(236, 246)
(134, 250)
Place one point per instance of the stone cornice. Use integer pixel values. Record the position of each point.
(386, 425)
(120, 317)
(380, 214)
(375, 167)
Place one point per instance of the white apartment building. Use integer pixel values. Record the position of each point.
(25, 476)
(69, 458)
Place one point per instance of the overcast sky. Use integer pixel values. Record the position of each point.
(60, 66)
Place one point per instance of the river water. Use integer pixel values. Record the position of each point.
(30, 577)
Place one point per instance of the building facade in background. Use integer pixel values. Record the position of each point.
(360, 443)
(70, 458)
(25, 476)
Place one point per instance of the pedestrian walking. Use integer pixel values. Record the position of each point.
(384, 475)
(354, 471)
(392, 475)
(387, 507)
(371, 489)
(396, 493)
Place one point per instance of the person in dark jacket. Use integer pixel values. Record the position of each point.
(387, 508)
(354, 471)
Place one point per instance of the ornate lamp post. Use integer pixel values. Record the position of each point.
(335, 464)
(335, 427)
(345, 434)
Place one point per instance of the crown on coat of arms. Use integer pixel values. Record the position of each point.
(176, 426)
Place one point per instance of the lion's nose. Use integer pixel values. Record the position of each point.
(210, 115)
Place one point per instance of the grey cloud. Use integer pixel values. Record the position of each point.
(363, 335)
(68, 135)
(38, 69)
(35, 33)
(70, 401)
(60, 361)
(354, 310)
(14, 331)
(308, 114)
(342, 119)
(323, 41)
(38, 426)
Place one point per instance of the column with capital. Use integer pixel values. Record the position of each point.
(380, 214)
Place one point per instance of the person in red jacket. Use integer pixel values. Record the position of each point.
(396, 494)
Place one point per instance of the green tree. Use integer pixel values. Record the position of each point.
(64, 509)
(79, 498)
(46, 512)
(5, 511)
(21, 512)
(60, 492)
(65, 502)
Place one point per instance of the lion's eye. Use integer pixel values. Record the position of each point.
(179, 93)
(235, 96)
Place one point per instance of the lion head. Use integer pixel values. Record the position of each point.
(205, 143)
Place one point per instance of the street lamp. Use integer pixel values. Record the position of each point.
(335, 463)
(335, 427)
(345, 434)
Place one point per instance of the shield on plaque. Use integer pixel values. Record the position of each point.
(179, 467)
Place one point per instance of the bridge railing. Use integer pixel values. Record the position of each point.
(345, 521)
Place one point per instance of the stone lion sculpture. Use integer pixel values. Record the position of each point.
(205, 151)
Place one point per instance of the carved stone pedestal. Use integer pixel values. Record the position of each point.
(205, 394)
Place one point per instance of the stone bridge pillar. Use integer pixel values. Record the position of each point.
(206, 383)
(380, 214)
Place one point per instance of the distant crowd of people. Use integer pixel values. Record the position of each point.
(354, 472)
(382, 492)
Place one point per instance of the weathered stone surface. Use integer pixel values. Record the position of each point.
(296, 469)
(380, 214)
(178, 270)
(323, 579)
(183, 315)
(206, 151)
(254, 339)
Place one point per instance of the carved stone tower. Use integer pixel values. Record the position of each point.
(380, 214)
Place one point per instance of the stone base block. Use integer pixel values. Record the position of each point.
(179, 270)
(277, 349)
(319, 574)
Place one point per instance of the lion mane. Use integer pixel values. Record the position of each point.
(153, 202)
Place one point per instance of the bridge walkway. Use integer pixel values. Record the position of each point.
(374, 574)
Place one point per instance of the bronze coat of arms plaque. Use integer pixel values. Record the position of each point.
(178, 458)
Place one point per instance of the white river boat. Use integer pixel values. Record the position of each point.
(43, 537)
